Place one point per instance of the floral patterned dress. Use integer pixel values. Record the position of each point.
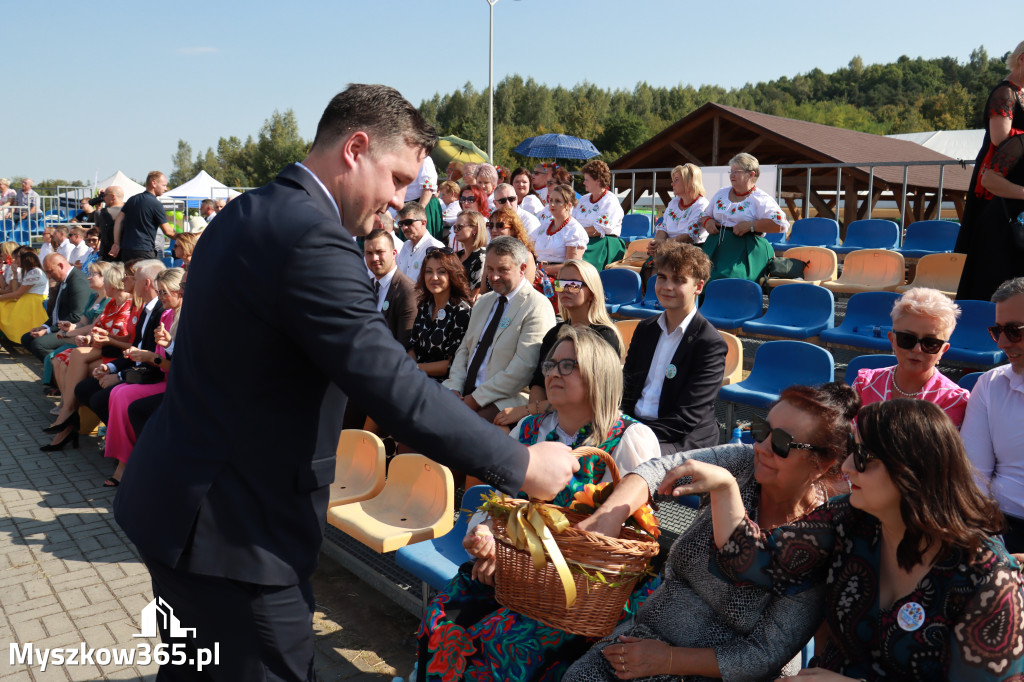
(745, 256)
(963, 621)
(117, 320)
(466, 635)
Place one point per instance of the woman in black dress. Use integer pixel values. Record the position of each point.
(1004, 118)
(443, 313)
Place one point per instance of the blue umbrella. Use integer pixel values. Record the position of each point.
(556, 146)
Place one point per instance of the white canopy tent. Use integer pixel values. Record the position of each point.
(119, 179)
(202, 186)
(956, 144)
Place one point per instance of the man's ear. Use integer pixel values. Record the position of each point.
(356, 145)
(700, 286)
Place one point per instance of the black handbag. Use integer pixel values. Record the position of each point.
(144, 374)
(1016, 225)
(787, 268)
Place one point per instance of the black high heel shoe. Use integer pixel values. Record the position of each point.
(52, 447)
(57, 428)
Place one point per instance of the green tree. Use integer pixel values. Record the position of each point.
(182, 168)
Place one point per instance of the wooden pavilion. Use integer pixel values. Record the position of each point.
(714, 133)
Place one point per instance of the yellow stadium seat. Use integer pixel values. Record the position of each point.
(733, 359)
(869, 270)
(416, 504)
(626, 329)
(822, 265)
(938, 271)
(635, 256)
(359, 468)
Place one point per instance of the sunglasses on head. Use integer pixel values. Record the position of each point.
(408, 221)
(929, 344)
(781, 441)
(570, 285)
(448, 251)
(860, 454)
(1014, 332)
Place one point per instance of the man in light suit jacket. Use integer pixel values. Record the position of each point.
(676, 360)
(66, 304)
(500, 350)
(225, 494)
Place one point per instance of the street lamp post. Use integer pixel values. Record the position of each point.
(490, 88)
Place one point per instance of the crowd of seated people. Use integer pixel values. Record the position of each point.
(513, 321)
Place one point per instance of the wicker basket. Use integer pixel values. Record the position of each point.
(539, 593)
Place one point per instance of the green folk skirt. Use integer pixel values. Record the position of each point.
(744, 257)
(604, 250)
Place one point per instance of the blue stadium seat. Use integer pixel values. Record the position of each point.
(869, 234)
(636, 226)
(776, 239)
(971, 343)
(867, 322)
(648, 307)
(621, 287)
(968, 381)
(436, 561)
(874, 361)
(929, 236)
(728, 303)
(797, 311)
(778, 365)
(814, 232)
(168, 261)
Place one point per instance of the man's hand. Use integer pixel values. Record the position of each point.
(100, 371)
(114, 250)
(551, 466)
(108, 380)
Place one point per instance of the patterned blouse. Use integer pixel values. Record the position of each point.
(679, 221)
(755, 206)
(876, 385)
(604, 215)
(963, 621)
(437, 339)
(474, 267)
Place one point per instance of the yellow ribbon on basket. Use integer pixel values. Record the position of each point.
(530, 529)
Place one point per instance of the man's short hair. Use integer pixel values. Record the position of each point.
(380, 111)
(509, 246)
(149, 269)
(153, 177)
(386, 221)
(79, 230)
(683, 259)
(413, 210)
(505, 185)
(378, 233)
(207, 203)
(60, 229)
(1008, 289)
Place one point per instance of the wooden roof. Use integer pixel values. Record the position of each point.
(714, 133)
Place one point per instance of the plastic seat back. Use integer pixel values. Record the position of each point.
(929, 236)
(776, 239)
(621, 287)
(636, 226)
(626, 329)
(733, 359)
(871, 233)
(971, 342)
(968, 381)
(866, 323)
(778, 365)
(798, 311)
(940, 271)
(728, 303)
(814, 232)
(870, 270)
(822, 265)
(635, 256)
(875, 361)
(359, 469)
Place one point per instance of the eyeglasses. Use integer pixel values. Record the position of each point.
(569, 285)
(781, 442)
(409, 221)
(498, 226)
(438, 249)
(467, 200)
(538, 172)
(505, 200)
(463, 226)
(860, 454)
(565, 367)
(738, 172)
(1013, 332)
(929, 344)
(162, 292)
(92, 240)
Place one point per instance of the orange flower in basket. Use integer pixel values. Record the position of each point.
(646, 520)
(594, 495)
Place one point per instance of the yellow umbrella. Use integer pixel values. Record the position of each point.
(451, 148)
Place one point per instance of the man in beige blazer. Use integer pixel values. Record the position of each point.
(499, 353)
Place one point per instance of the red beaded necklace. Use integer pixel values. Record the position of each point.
(744, 194)
(683, 208)
(554, 232)
(603, 192)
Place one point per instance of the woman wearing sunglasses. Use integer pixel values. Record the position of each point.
(695, 626)
(581, 300)
(470, 234)
(917, 587)
(488, 641)
(922, 322)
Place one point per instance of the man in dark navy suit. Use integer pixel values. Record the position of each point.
(225, 494)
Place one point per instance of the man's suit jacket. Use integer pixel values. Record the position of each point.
(230, 477)
(686, 411)
(400, 302)
(71, 297)
(515, 348)
(144, 334)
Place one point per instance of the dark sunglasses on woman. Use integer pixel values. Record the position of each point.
(570, 285)
(861, 456)
(467, 199)
(781, 441)
(1014, 332)
(929, 344)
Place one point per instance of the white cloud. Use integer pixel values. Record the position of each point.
(196, 50)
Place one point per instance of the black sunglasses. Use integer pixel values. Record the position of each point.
(860, 454)
(497, 226)
(781, 442)
(1014, 332)
(466, 200)
(565, 367)
(929, 344)
(505, 200)
(408, 221)
(448, 251)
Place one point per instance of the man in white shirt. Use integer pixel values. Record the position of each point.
(675, 362)
(505, 195)
(993, 428)
(60, 243)
(79, 249)
(412, 220)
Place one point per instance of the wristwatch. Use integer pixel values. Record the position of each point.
(158, 360)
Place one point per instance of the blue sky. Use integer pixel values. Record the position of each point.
(115, 85)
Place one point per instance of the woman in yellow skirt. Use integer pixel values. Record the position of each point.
(21, 310)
